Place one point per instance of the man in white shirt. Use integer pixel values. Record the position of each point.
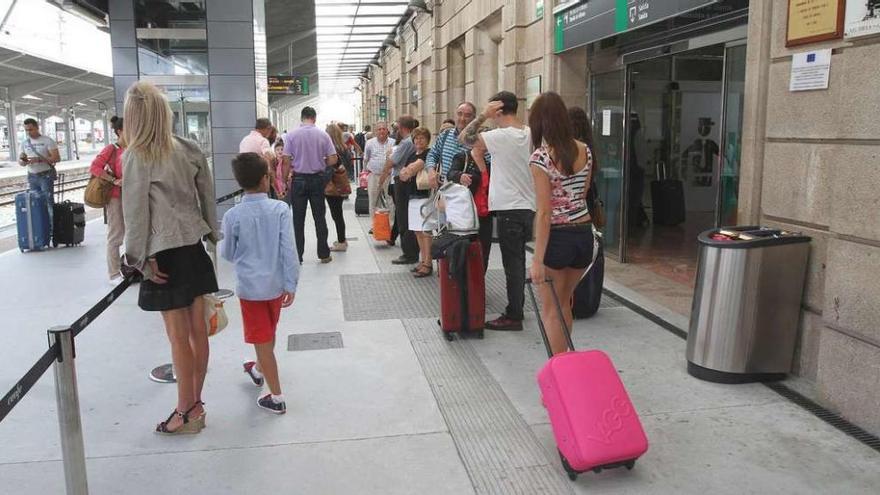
(511, 195)
(376, 151)
(39, 154)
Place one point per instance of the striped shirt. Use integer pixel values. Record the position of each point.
(444, 150)
(568, 193)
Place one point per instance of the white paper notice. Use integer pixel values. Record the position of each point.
(810, 70)
(606, 122)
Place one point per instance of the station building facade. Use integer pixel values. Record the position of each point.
(696, 91)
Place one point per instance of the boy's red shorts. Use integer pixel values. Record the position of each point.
(260, 319)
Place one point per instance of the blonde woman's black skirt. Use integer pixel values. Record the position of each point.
(190, 275)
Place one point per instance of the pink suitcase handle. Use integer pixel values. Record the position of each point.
(541, 321)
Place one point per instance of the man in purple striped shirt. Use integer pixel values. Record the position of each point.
(309, 151)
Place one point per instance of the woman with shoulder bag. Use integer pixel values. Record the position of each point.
(169, 208)
(415, 177)
(107, 166)
(472, 170)
(338, 187)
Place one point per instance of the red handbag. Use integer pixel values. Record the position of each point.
(481, 199)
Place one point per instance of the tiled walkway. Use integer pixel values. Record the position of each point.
(396, 410)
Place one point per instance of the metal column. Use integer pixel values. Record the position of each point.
(67, 141)
(72, 447)
(12, 129)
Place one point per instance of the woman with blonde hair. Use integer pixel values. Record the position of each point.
(338, 187)
(168, 207)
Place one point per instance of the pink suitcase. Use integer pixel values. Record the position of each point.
(595, 424)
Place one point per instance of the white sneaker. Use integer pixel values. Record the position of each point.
(114, 281)
(339, 247)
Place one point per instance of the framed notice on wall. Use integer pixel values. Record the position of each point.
(862, 18)
(811, 21)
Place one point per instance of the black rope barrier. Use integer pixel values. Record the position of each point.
(24, 385)
(26, 382)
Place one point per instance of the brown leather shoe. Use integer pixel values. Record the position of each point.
(503, 323)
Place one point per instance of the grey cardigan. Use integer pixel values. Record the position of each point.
(168, 204)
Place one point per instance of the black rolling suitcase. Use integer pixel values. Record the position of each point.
(588, 293)
(68, 220)
(362, 202)
(667, 199)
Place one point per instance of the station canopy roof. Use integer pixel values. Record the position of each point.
(39, 85)
(350, 34)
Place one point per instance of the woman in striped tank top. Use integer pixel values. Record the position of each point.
(562, 171)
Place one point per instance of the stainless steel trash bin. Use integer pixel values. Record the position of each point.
(746, 306)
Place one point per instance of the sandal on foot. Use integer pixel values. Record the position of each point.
(188, 427)
(424, 271)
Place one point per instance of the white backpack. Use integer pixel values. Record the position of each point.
(452, 208)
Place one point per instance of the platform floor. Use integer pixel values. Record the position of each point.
(396, 410)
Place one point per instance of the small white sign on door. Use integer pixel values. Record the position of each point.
(810, 70)
(606, 122)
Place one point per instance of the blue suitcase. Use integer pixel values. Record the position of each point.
(32, 220)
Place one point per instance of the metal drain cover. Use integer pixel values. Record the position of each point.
(314, 341)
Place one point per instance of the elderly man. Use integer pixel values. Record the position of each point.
(447, 144)
(376, 151)
(257, 141)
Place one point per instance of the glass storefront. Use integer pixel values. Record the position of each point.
(173, 54)
(608, 114)
(667, 117)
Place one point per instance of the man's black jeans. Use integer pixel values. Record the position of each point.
(514, 231)
(408, 242)
(308, 189)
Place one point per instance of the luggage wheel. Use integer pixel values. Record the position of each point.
(572, 474)
(479, 334)
(630, 464)
(448, 336)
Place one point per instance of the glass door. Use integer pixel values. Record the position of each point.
(734, 95)
(608, 127)
(673, 152)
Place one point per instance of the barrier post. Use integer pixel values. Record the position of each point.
(69, 421)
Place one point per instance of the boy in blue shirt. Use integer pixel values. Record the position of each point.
(258, 240)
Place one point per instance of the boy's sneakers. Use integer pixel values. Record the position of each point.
(250, 368)
(269, 404)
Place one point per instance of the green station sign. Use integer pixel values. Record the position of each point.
(580, 23)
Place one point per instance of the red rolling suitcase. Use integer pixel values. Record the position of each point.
(594, 422)
(463, 305)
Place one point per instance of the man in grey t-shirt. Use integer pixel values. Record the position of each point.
(39, 154)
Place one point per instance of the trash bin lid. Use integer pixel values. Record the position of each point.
(750, 236)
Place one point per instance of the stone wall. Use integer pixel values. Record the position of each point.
(468, 50)
(812, 163)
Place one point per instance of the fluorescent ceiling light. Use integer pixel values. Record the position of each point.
(31, 97)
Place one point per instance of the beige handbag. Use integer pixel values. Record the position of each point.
(422, 180)
(98, 191)
(215, 315)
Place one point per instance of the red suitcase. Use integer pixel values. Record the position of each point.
(457, 301)
(594, 422)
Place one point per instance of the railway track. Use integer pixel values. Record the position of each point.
(7, 197)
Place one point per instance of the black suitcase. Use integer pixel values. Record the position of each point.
(667, 199)
(362, 202)
(68, 220)
(588, 293)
